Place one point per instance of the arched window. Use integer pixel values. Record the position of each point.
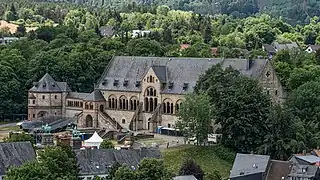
(151, 101)
(151, 80)
(91, 106)
(167, 106)
(123, 102)
(86, 106)
(123, 121)
(112, 102)
(178, 105)
(133, 103)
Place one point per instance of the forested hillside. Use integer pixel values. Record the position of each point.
(293, 11)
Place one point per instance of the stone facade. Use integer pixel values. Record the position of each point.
(139, 93)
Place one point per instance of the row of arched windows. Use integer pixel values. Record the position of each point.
(168, 107)
(88, 105)
(124, 103)
(150, 79)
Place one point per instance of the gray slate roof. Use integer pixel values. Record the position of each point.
(48, 84)
(190, 177)
(99, 161)
(304, 171)
(309, 158)
(15, 154)
(246, 164)
(77, 95)
(95, 96)
(279, 46)
(161, 72)
(178, 70)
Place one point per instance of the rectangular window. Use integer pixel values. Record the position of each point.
(33, 101)
(33, 115)
(55, 97)
(43, 97)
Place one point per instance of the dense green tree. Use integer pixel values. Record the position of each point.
(240, 104)
(282, 144)
(144, 47)
(124, 173)
(195, 117)
(31, 170)
(189, 167)
(106, 144)
(20, 137)
(152, 169)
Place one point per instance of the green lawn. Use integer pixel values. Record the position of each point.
(209, 158)
(10, 128)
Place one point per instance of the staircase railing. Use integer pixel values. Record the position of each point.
(107, 118)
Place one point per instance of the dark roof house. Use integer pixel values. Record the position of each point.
(183, 72)
(249, 167)
(15, 154)
(275, 47)
(304, 172)
(304, 159)
(48, 84)
(99, 161)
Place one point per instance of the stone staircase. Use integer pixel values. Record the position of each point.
(156, 117)
(135, 118)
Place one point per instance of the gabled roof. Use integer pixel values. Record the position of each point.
(246, 164)
(95, 96)
(279, 170)
(99, 161)
(31, 96)
(15, 154)
(189, 177)
(161, 72)
(178, 70)
(48, 84)
(312, 159)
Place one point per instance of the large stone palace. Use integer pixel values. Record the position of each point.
(138, 93)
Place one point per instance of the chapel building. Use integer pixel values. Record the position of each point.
(139, 93)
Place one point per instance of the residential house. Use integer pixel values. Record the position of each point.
(97, 162)
(304, 172)
(189, 177)
(273, 48)
(259, 167)
(305, 159)
(313, 48)
(15, 154)
(249, 167)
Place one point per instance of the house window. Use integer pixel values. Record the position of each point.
(55, 97)
(268, 92)
(123, 121)
(276, 92)
(43, 97)
(169, 125)
(33, 101)
(33, 115)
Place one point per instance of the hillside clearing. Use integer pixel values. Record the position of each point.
(209, 158)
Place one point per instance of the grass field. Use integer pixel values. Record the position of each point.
(207, 157)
